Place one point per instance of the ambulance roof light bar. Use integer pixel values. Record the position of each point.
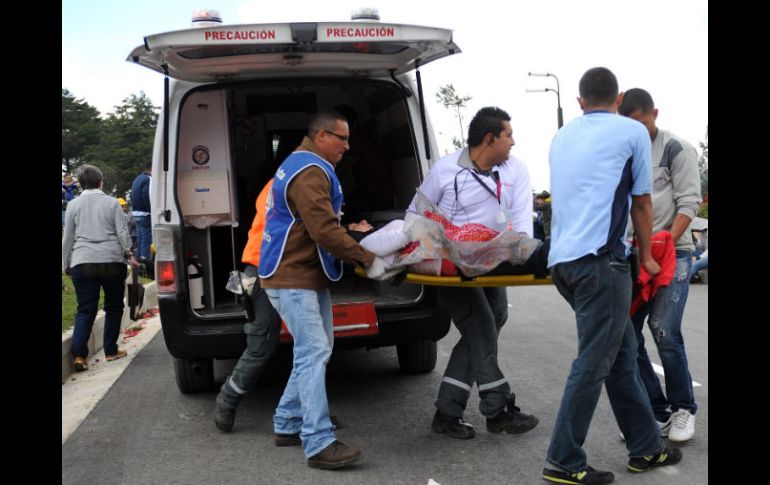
(365, 14)
(206, 17)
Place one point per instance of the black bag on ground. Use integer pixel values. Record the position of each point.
(135, 295)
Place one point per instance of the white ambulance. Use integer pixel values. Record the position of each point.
(238, 99)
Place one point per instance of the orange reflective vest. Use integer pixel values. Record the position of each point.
(254, 245)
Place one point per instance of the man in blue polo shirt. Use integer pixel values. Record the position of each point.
(601, 164)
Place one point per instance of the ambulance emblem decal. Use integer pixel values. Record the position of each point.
(200, 155)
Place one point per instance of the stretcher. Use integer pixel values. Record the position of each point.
(498, 280)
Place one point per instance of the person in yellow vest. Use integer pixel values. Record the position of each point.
(130, 221)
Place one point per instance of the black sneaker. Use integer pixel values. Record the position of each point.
(336, 455)
(511, 420)
(669, 456)
(453, 427)
(589, 476)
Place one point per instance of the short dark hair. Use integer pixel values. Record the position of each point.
(148, 165)
(598, 86)
(487, 120)
(324, 120)
(636, 99)
(349, 113)
(89, 177)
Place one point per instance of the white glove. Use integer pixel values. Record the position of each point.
(378, 269)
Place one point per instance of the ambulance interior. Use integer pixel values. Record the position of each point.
(249, 129)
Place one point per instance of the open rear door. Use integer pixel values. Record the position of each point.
(260, 50)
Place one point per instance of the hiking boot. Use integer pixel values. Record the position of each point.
(336, 455)
(511, 419)
(683, 426)
(80, 364)
(589, 476)
(665, 427)
(117, 355)
(453, 427)
(669, 456)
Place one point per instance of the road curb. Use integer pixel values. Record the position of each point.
(97, 332)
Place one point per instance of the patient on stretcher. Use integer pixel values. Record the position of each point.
(430, 244)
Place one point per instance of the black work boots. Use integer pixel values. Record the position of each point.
(224, 408)
(511, 419)
(453, 427)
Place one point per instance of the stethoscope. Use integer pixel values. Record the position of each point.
(475, 172)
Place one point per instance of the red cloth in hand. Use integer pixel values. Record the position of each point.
(664, 253)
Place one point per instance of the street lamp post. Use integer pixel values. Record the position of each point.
(560, 118)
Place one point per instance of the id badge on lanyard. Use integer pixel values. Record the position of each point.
(500, 219)
(501, 213)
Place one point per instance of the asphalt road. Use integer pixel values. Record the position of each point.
(145, 432)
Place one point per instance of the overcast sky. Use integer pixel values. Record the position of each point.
(658, 45)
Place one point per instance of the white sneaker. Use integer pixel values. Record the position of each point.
(682, 426)
(664, 429)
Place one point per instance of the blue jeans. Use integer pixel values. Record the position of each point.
(699, 264)
(143, 237)
(88, 279)
(598, 288)
(303, 407)
(665, 322)
(479, 314)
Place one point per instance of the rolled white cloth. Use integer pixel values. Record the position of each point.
(388, 240)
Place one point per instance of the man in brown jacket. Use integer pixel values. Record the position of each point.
(302, 249)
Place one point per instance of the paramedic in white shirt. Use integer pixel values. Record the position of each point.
(480, 184)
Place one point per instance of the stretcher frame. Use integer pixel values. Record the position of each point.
(486, 281)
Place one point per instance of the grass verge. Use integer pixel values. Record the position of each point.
(69, 304)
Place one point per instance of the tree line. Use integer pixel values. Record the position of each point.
(119, 143)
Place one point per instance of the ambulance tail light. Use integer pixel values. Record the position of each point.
(165, 259)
